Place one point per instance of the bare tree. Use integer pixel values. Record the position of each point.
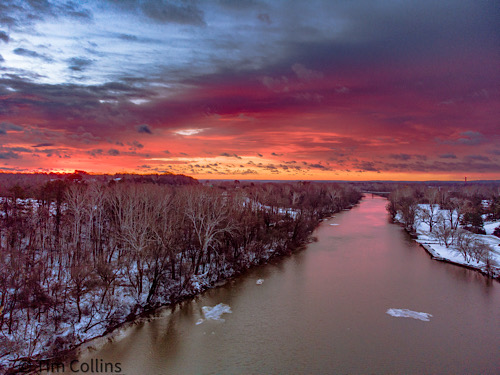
(208, 214)
(443, 232)
(133, 209)
(429, 213)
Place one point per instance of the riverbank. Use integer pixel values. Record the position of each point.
(494, 273)
(93, 341)
(452, 255)
(196, 285)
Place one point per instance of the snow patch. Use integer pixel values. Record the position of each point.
(214, 313)
(405, 313)
(259, 282)
(333, 224)
(489, 227)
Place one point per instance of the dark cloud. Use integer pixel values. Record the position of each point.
(74, 10)
(1, 58)
(85, 105)
(368, 166)
(318, 166)
(20, 149)
(79, 64)
(164, 11)
(477, 157)
(144, 128)
(448, 156)
(135, 145)
(9, 155)
(113, 152)
(467, 138)
(29, 53)
(9, 126)
(471, 138)
(128, 37)
(226, 154)
(20, 14)
(43, 145)
(4, 36)
(95, 152)
(400, 156)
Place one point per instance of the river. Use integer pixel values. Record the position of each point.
(323, 310)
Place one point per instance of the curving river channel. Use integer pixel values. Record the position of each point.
(323, 311)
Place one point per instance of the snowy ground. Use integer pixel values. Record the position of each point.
(489, 226)
(441, 252)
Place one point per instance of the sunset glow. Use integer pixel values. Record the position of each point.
(321, 90)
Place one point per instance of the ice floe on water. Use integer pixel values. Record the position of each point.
(259, 282)
(405, 313)
(214, 313)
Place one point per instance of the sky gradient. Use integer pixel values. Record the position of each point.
(250, 89)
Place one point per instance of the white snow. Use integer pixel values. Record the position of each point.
(333, 224)
(405, 313)
(259, 282)
(489, 227)
(440, 252)
(214, 313)
(293, 213)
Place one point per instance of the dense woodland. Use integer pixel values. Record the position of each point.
(80, 254)
(454, 213)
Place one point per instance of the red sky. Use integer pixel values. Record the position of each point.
(252, 89)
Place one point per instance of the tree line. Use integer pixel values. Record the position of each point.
(79, 256)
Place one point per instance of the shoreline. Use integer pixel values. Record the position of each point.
(432, 253)
(31, 365)
(110, 335)
(435, 255)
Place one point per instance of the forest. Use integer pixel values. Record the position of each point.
(81, 254)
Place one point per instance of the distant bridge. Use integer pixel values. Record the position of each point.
(376, 192)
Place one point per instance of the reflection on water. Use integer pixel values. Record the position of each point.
(323, 310)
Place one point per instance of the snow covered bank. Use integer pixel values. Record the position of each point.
(405, 313)
(449, 249)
